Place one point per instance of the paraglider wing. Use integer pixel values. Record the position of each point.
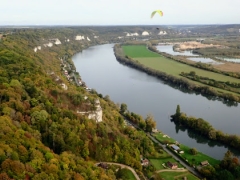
(157, 11)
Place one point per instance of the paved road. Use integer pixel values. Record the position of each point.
(123, 166)
(191, 169)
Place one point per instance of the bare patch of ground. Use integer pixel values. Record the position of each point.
(229, 67)
(193, 45)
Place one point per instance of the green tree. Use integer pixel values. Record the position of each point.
(123, 174)
(178, 112)
(150, 123)
(193, 151)
(225, 175)
(156, 176)
(123, 108)
(49, 156)
(85, 150)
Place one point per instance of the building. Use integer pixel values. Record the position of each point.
(204, 163)
(144, 162)
(172, 165)
(175, 147)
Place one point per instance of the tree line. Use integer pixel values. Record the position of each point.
(183, 83)
(205, 128)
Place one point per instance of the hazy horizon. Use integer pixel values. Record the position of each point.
(124, 12)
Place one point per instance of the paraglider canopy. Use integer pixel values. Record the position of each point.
(157, 11)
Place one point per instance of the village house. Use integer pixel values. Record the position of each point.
(172, 165)
(175, 147)
(204, 163)
(145, 162)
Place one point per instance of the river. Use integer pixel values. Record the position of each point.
(145, 94)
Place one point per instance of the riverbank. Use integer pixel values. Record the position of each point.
(202, 127)
(165, 69)
(198, 157)
(146, 94)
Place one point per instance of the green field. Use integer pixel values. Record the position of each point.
(135, 51)
(198, 158)
(157, 163)
(163, 64)
(192, 159)
(177, 175)
(164, 140)
(129, 175)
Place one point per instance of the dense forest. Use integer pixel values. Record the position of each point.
(42, 135)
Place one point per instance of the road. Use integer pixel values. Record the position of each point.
(123, 166)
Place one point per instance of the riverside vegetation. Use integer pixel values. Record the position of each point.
(171, 70)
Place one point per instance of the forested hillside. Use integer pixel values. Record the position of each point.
(42, 135)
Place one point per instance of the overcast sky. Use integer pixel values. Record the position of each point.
(118, 12)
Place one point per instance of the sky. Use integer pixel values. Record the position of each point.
(118, 12)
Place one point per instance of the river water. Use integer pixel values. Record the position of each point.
(169, 49)
(145, 94)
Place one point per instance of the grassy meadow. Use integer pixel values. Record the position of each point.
(158, 62)
(198, 158)
(129, 175)
(178, 175)
(136, 51)
(192, 159)
(157, 162)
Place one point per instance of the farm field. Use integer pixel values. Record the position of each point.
(158, 62)
(175, 68)
(155, 61)
(135, 51)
